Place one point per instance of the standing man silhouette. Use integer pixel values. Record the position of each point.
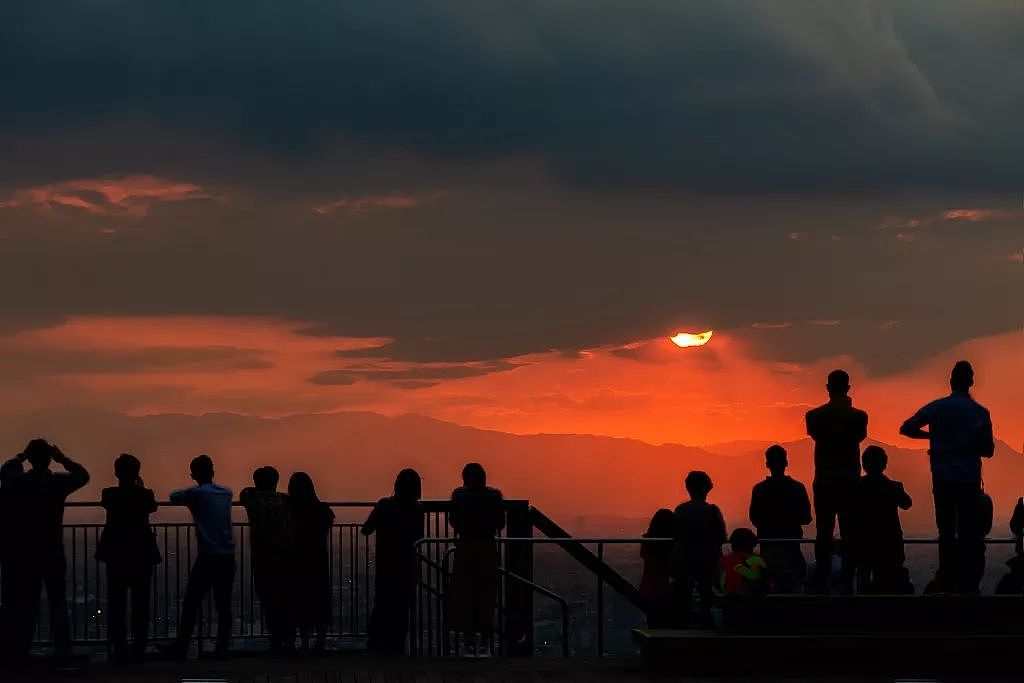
(36, 555)
(779, 508)
(837, 429)
(214, 566)
(959, 435)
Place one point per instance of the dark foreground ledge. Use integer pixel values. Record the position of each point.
(822, 636)
(350, 668)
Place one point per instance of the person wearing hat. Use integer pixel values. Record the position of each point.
(959, 435)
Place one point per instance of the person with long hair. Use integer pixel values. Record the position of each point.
(128, 547)
(655, 583)
(398, 522)
(311, 527)
(477, 515)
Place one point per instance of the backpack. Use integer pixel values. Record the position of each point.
(985, 513)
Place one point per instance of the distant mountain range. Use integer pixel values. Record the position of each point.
(355, 455)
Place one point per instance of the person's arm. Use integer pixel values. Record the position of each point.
(986, 440)
(756, 513)
(373, 521)
(151, 505)
(812, 424)
(912, 428)
(181, 496)
(862, 427)
(77, 476)
(903, 498)
(805, 506)
(720, 521)
(455, 512)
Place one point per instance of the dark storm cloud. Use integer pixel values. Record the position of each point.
(604, 172)
(726, 95)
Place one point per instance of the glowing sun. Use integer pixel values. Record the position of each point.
(686, 339)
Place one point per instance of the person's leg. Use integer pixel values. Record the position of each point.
(223, 583)
(140, 587)
(824, 519)
(117, 605)
(26, 585)
(946, 522)
(56, 596)
(843, 496)
(970, 543)
(200, 579)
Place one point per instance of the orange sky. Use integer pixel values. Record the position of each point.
(649, 390)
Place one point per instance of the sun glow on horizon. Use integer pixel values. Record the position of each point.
(687, 339)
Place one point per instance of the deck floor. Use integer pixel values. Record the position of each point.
(361, 668)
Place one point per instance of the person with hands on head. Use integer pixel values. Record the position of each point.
(35, 558)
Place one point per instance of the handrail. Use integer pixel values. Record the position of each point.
(536, 587)
(429, 505)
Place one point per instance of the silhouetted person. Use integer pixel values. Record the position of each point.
(743, 572)
(1017, 525)
(655, 583)
(779, 508)
(398, 523)
(960, 435)
(273, 554)
(877, 535)
(477, 515)
(837, 429)
(1012, 583)
(36, 556)
(311, 524)
(699, 532)
(214, 566)
(7, 549)
(128, 547)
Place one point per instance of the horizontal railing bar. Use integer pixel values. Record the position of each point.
(428, 505)
(640, 539)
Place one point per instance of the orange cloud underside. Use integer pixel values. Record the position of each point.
(130, 195)
(659, 393)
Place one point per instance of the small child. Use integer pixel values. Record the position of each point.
(699, 532)
(743, 570)
(878, 535)
(655, 588)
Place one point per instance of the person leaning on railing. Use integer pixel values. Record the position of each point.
(214, 567)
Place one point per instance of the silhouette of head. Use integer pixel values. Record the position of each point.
(127, 468)
(698, 485)
(661, 524)
(301, 489)
(776, 460)
(962, 377)
(202, 469)
(474, 476)
(874, 460)
(408, 485)
(39, 452)
(266, 478)
(838, 384)
(742, 540)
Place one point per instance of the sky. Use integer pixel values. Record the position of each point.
(497, 213)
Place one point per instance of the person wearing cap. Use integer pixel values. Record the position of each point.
(837, 429)
(959, 435)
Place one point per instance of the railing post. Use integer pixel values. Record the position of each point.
(518, 595)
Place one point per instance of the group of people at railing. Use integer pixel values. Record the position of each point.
(289, 553)
(850, 487)
(290, 531)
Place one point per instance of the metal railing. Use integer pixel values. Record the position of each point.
(351, 570)
(594, 613)
(578, 614)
